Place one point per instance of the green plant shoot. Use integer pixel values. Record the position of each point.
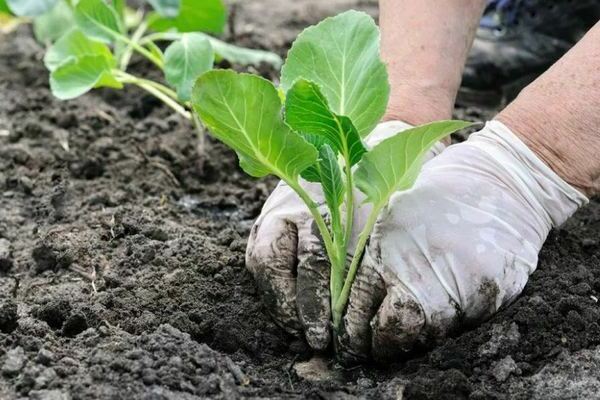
(91, 43)
(336, 91)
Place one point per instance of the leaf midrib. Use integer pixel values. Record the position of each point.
(242, 129)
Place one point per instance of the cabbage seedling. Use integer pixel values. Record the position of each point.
(92, 42)
(334, 90)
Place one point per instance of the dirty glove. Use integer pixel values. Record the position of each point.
(288, 260)
(456, 247)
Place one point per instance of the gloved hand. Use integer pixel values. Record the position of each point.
(456, 247)
(288, 260)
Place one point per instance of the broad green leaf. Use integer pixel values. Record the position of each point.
(48, 27)
(331, 178)
(341, 55)
(165, 8)
(312, 173)
(120, 6)
(30, 8)
(98, 20)
(394, 163)
(75, 45)
(185, 60)
(244, 111)
(307, 111)
(4, 7)
(195, 16)
(76, 77)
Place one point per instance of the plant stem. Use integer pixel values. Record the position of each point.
(161, 92)
(169, 92)
(336, 279)
(340, 304)
(349, 201)
(312, 207)
(200, 132)
(135, 38)
(140, 49)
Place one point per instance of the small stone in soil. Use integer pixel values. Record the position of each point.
(502, 336)
(503, 368)
(45, 378)
(49, 395)
(14, 362)
(365, 383)
(45, 356)
(149, 376)
(317, 370)
(589, 242)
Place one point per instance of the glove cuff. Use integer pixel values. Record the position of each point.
(553, 198)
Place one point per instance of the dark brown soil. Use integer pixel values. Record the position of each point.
(122, 262)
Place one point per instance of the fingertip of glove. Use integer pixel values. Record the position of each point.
(318, 337)
(396, 328)
(346, 354)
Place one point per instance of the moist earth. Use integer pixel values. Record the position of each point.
(122, 261)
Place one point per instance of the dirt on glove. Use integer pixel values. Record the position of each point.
(122, 261)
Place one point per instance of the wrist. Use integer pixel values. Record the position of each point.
(570, 157)
(418, 103)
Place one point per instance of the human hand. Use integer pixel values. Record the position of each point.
(288, 261)
(456, 247)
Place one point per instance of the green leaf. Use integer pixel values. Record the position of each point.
(243, 56)
(120, 6)
(244, 111)
(331, 178)
(4, 8)
(195, 16)
(341, 55)
(98, 20)
(77, 76)
(307, 111)
(76, 45)
(185, 60)
(30, 8)
(165, 8)
(50, 26)
(394, 163)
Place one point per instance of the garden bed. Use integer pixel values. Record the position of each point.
(122, 262)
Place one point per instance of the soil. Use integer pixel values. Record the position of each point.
(122, 262)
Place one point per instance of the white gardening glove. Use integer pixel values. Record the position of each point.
(288, 260)
(456, 247)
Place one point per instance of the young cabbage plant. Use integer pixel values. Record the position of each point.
(335, 91)
(92, 41)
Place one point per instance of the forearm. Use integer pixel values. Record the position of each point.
(558, 115)
(425, 45)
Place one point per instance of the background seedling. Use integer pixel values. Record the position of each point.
(90, 44)
(336, 91)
